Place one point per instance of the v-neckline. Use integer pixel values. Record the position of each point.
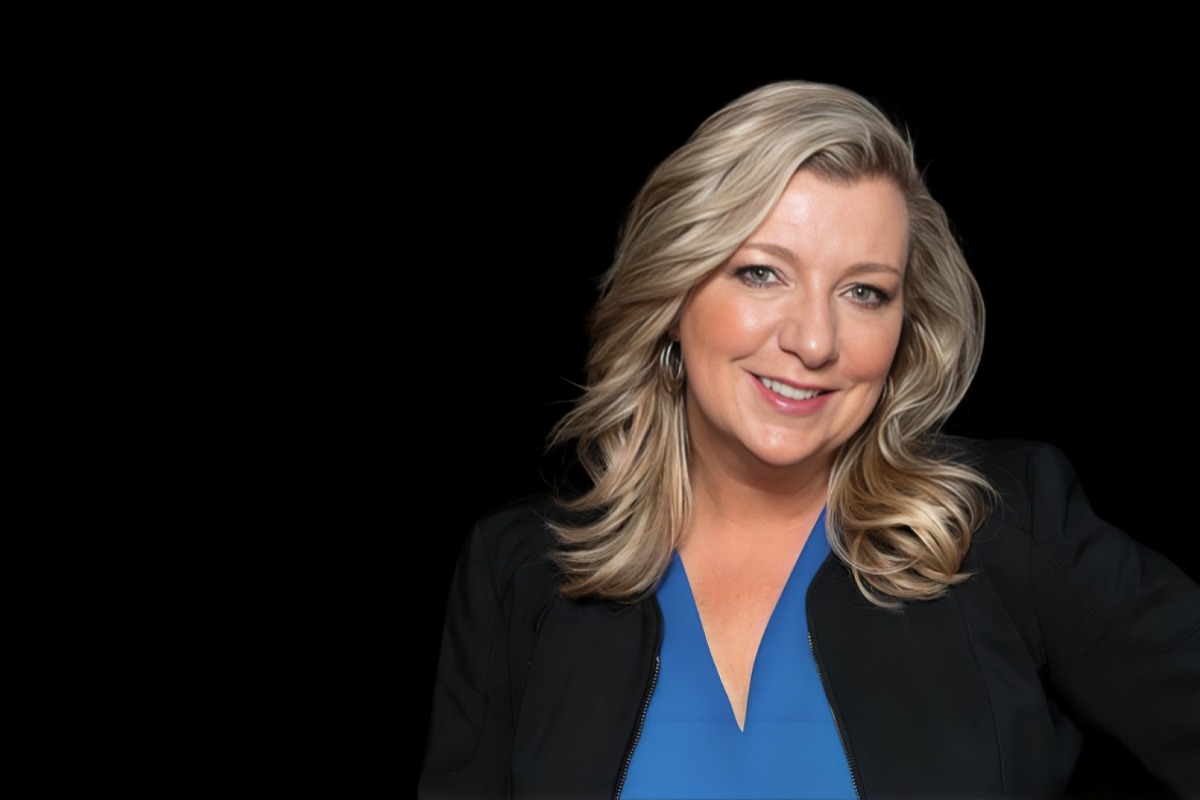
(712, 671)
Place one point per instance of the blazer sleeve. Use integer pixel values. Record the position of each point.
(502, 586)
(1120, 626)
(469, 747)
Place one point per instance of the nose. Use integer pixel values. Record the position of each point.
(809, 331)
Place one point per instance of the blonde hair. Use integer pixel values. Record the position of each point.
(900, 515)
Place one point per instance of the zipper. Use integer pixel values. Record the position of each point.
(837, 719)
(637, 732)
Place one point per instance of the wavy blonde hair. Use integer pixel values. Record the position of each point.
(900, 514)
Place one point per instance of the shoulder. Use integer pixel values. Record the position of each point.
(1004, 459)
(518, 525)
(512, 536)
(1044, 539)
(1017, 469)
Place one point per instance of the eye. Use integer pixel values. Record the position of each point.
(866, 295)
(756, 275)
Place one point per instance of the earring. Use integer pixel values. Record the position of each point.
(670, 367)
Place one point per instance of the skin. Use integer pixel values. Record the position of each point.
(813, 301)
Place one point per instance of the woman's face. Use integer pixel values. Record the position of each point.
(787, 346)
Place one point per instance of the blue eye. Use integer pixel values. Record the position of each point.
(756, 275)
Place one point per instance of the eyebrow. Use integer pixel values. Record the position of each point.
(780, 251)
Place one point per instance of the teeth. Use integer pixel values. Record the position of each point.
(788, 391)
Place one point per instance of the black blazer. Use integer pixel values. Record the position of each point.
(1066, 621)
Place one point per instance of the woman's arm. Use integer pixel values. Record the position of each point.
(471, 730)
(1120, 626)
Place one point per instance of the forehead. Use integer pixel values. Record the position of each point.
(819, 219)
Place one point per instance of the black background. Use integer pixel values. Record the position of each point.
(1071, 191)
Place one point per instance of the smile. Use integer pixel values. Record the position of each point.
(789, 392)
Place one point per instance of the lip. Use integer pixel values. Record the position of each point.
(798, 406)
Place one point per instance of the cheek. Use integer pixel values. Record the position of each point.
(722, 326)
(874, 352)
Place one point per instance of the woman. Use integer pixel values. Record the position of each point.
(781, 581)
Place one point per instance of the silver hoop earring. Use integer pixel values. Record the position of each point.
(670, 367)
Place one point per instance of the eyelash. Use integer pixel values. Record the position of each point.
(746, 275)
(879, 298)
(767, 276)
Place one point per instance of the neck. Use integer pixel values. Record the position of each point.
(759, 503)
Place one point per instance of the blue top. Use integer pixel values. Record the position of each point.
(691, 746)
